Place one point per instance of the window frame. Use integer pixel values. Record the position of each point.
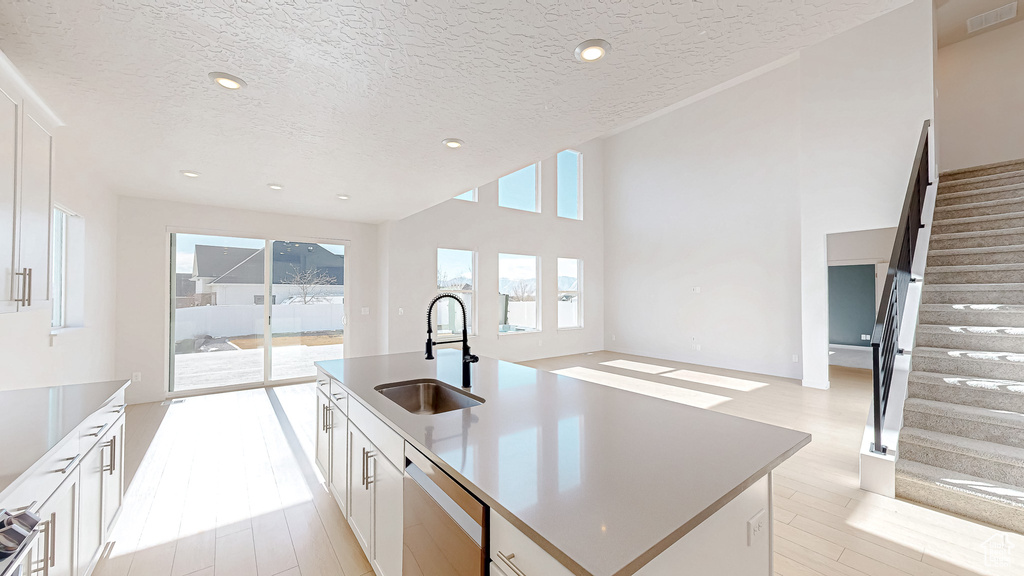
(537, 295)
(472, 328)
(578, 292)
(537, 200)
(579, 186)
(59, 289)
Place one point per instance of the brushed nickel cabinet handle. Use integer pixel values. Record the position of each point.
(508, 561)
(24, 287)
(113, 455)
(363, 482)
(370, 457)
(52, 530)
(71, 464)
(28, 293)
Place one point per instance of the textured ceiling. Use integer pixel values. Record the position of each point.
(355, 96)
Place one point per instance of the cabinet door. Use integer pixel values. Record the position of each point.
(339, 458)
(35, 215)
(323, 435)
(386, 481)
(360, 500)
(60, 515)
(9, 283)
(113, 473)
(90, 506)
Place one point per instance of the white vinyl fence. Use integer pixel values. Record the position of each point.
(228, 321)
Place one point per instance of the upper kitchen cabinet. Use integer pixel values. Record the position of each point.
(26, 169)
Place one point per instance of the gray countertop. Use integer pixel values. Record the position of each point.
(603, 479)
(37, 419)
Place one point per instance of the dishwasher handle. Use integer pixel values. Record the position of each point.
(462, 498)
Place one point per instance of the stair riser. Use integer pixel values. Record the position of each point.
(982, 171)
(960, 186)
(968, 210)
(972, 318)
(964, 428)
(969, 367)
(963, 463)
(946, 227)
(979, 241)
(974, 196)
(971, 297)
(967, 396)
(967, 506)
(975, 277)
(1015, 257)
(968, 341)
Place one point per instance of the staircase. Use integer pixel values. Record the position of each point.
(962, 444)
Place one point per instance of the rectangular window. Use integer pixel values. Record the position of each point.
(517, 287)
(518, 190)
(469, 196)
(570, 291)
(59, 256)
(455, 274)
(569, 165)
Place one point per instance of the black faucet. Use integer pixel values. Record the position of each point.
(467, 358)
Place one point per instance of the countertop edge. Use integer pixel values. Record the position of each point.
(17, 482)
(563, 558)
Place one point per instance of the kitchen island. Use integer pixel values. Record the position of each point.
(605, 482)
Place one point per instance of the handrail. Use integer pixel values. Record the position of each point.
(886, 334)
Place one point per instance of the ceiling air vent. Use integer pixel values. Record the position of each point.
(992, 17)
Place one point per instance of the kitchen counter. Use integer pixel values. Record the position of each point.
(37, 419)
(603, 479)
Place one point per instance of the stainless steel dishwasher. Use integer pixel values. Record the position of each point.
(446, 527)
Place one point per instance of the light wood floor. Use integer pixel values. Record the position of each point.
(225, 484)
(825, 525)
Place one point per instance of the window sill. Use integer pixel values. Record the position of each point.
(519, 332)
(65, 330)
(570, 328)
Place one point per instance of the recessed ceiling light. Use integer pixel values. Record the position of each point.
(452, 142)
(275, 186)
(225, 80)
(190, 174)
(343, 196)
(592, 50)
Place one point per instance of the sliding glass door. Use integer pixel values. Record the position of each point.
(308, 307)
(230, 294)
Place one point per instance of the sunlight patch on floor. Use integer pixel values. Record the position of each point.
(645, 387)
(727, 382)
(637, 366)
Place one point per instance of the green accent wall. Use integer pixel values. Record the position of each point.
(851, 304)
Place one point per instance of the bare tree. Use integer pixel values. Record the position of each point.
(311, 283)
(520, 291)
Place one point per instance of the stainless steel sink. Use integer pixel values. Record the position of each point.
(428, 396)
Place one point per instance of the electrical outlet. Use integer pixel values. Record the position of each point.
(136, 377)
(613, 337)
(796, 358)
(865, 336)
(695, 346)
(695, 289)
(365, 311)
(756, 526)
(401, 311)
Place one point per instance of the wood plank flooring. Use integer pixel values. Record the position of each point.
(825, 525)
(225, 485)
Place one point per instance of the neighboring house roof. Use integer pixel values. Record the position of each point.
(225, 265)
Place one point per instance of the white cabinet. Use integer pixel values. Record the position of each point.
(60, 532)
(26, 160)
(515, 553)
(323, 435)
(112, 447)
(90, 510)
(386, 481)
(339, 458)
(360, 513)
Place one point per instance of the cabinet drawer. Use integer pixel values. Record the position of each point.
(339, 397)
(389, 442)
(510, 546)
(51, 471)
(101, 421)
(323, 382)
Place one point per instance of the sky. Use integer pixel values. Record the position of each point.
(185, 247)
(519, 189)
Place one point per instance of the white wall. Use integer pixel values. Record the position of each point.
(85, 353)
(143, 277)
(980, 85)
(864, 95)
(706, 196)
(487, 229)
(736, 192)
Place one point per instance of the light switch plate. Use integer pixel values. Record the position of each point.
(756, 527)
(365, 311)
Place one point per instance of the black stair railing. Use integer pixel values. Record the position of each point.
(885, 338)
